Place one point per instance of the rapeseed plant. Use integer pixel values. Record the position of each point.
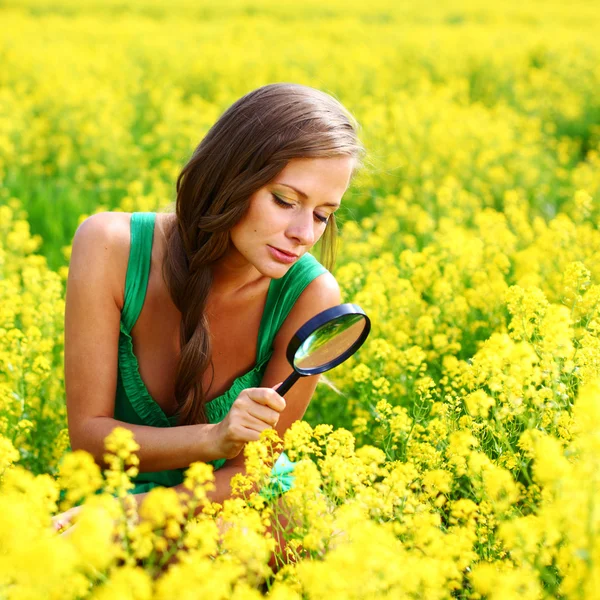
(456, 454)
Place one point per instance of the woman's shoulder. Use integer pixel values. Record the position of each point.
(322, 292)
(103, 239)
(110, 227)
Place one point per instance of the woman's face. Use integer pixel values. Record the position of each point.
(288, 215)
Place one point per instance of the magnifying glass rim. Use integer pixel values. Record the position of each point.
(318, 321)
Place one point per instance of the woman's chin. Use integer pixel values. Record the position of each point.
(273, 269)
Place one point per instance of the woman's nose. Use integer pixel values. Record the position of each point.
(302, 229)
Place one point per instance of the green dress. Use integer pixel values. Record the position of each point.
(133, 403)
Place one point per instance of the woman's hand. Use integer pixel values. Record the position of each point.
(64, 520)
(63, 523)
(253, 411)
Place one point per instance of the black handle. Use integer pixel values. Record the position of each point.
(288, 383)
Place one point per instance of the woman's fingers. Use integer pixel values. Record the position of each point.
(253, 429)
(65, 519)
(57, 524)
(68, 531)
(263, 404)
(267, 397)
(61, 520)
(63, 523)
(264, 414)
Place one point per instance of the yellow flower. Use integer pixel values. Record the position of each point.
(79, 475)
(8, 454)
(361, 373)
(199, 479)
(120, 441)
(128, 583)
(160, 506)
(478, 403)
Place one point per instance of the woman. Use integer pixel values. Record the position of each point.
(176, 325)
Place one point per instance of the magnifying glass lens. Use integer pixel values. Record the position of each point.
(329, 341)
(325, 341)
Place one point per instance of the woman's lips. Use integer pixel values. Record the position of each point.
(282, 255)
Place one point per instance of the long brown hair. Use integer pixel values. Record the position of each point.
(243, 151)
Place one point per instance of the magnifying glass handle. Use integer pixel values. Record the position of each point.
(288, 383)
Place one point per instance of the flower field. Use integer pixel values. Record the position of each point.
(457, 454)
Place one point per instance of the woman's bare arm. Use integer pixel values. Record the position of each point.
(94, 300)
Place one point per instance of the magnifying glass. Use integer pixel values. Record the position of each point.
(325, 341)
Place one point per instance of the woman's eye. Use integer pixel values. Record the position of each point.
(281, 202)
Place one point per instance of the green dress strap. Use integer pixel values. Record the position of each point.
(138, 267)
(134, 403)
